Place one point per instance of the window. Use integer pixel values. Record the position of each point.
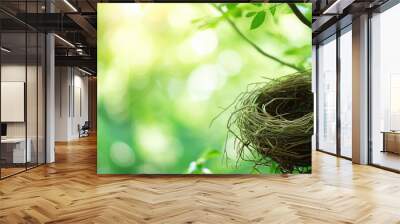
(385, 89)
(346, 93)
(327, 96)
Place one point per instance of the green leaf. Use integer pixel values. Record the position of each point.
(231, 6)
(273, 10)
(197, 20)
(257, 4)
(237, 12)
(209, 24)
(255, 171)
(274, 168)
(210, 154)
(303, 50)
(193, 167)
(258, 20)
(251, 14)
(206, 23)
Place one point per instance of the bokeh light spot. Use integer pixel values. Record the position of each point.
(122, 154)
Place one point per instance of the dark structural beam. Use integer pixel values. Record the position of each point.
(78, 61)
(49, 22)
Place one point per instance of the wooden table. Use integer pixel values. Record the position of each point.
(13, 150)
(391, 141)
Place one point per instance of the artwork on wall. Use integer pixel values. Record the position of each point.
(204, 88)
(12, 98)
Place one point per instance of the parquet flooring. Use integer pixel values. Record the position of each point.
(10, 171)
(69, 191)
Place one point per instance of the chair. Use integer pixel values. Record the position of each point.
(84, 130)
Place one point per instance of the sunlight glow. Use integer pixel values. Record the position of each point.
(121, 154)
(293, 29)
(231, 61)
(204, 42)
(204, 80)
(115, 105)
(133, 54)
(181, 16)
(157, 145)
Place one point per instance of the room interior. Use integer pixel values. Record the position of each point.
(25, 101)
(335, 77)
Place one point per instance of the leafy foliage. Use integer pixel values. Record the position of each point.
(257, 12)
(198, 166)
(273, 10)
(258, 20)
(251, 14)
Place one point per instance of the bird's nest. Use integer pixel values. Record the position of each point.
(272, 123)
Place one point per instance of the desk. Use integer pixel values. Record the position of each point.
(391, 141)
(17, 150)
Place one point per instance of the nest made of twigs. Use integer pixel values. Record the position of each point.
(273, 120)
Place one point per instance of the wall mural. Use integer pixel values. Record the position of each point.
(204, 88)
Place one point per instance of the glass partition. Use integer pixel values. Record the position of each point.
(346, 93)
(32, 95)
(22, 92)
(14, 153)
(327, 96)
(41, 107)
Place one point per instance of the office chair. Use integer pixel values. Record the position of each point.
(84, 130)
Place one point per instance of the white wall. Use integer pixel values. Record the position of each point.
(81, 102)
(62, 82)
(12, 73)
(71, 94)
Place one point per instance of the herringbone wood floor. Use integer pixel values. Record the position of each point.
(69, 191)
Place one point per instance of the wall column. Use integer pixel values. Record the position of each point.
(360, 90)
(50, 99)
(50, 92)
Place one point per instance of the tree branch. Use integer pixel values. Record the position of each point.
(299, 15)
(257, 48)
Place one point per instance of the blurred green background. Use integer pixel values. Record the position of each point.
(165, 70)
